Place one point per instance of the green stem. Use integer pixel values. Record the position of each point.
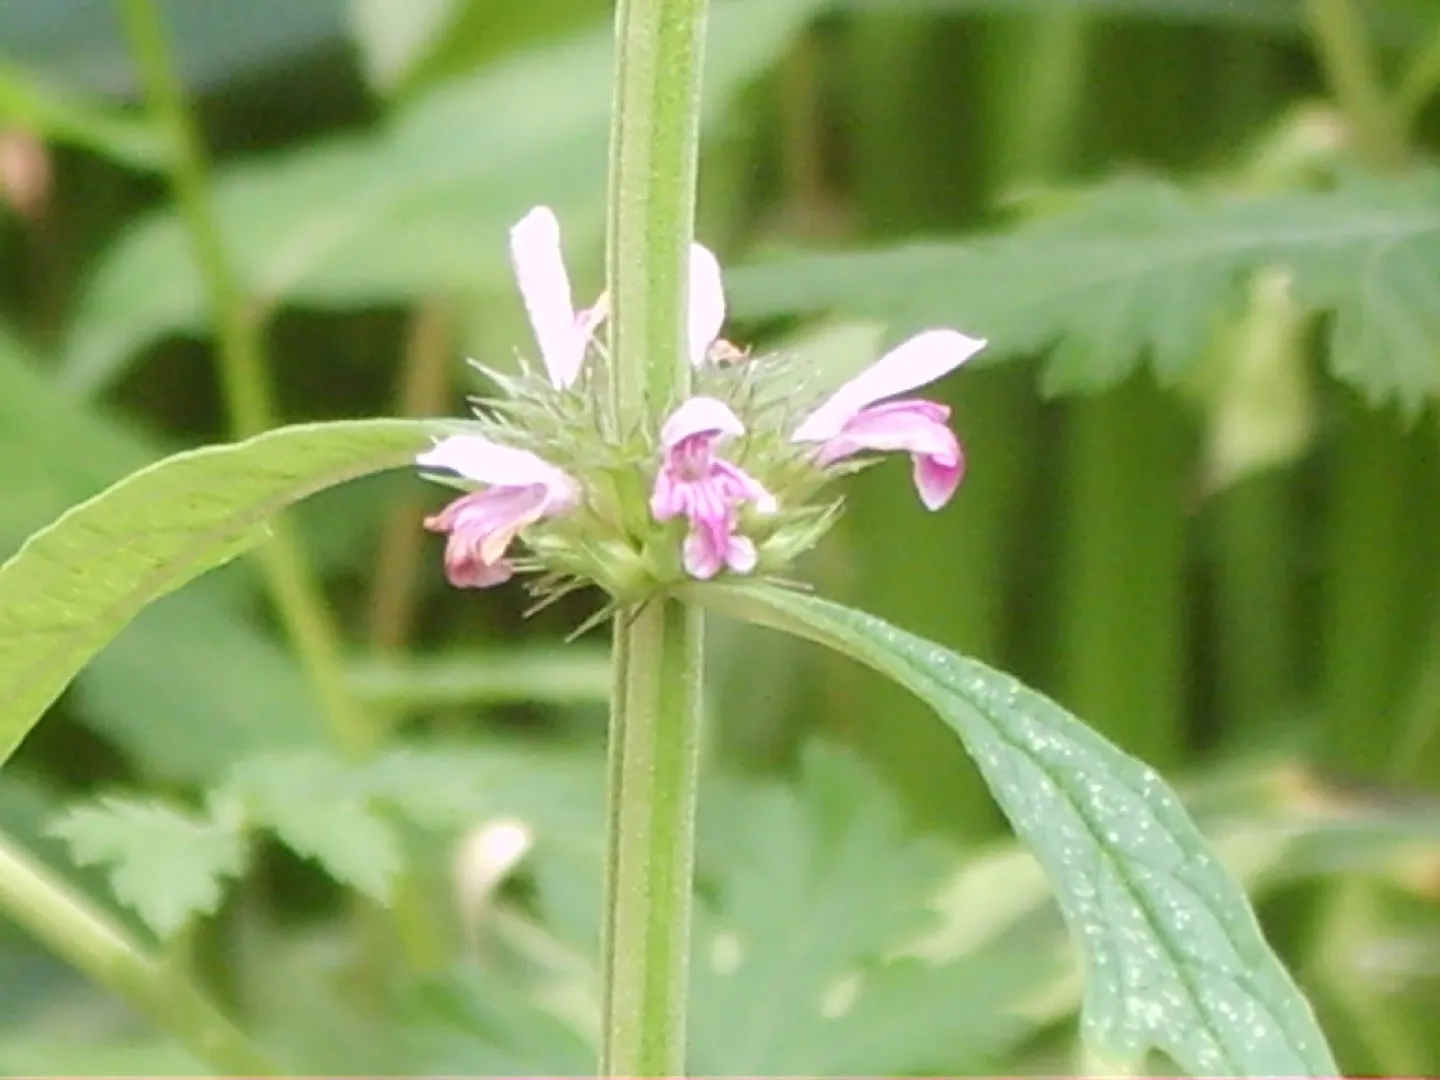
(249, 401)
(1041, 103)
(654, 765)
(249, 398)
(1121, 630)
(87, 938)
(654, 145)
(1344, 51)
(654, 718)
(1420, 80)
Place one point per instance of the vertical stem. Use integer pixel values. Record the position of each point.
(1421, 77)
(425, 384)
(1123, 619)
(87, 938)
(654, 143)
(249, 402)
(654, 765)
(1256, 600)
(1040, 104)
(249, 399)
(1344, 51)
(654, 724)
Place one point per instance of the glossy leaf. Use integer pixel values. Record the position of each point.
(1174, 959)
(77, 583)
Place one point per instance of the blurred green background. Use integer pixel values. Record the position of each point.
(1225, 560)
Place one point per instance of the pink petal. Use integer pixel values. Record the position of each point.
(738, 486)
(920, 360)
(484, 462)
(741, 555)
(545, 288)
(913, 427)
(702, 555)
(668, 497)
(707, 302)
(700, 416)
(482, 526)
(466, 572)
(937, 479)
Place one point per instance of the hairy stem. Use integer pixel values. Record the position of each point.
(655, 709)
(90, 940)
(654, 142)
(654, 759)
(1344, 51)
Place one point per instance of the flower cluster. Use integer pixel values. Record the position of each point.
(730, 483)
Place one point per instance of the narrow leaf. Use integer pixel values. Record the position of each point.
(1174, 959)
(77, 583)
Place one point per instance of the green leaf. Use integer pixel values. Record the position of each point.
(164, 863)
(421, 207)
(77, 583)
(809, 889)
(470, 1021)
(1174, 959)
(1144, 267)
(318, 806)
(193, 684)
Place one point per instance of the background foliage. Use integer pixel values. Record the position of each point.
(1202, 512)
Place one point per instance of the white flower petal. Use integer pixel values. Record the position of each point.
(545, 287)
(913, 363)
(698, 416)
(707, 302)
(478, 459)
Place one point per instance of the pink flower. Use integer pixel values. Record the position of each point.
(706, 489)
(562, 333)
(707, 303)
(850, 421)
(520, 489)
